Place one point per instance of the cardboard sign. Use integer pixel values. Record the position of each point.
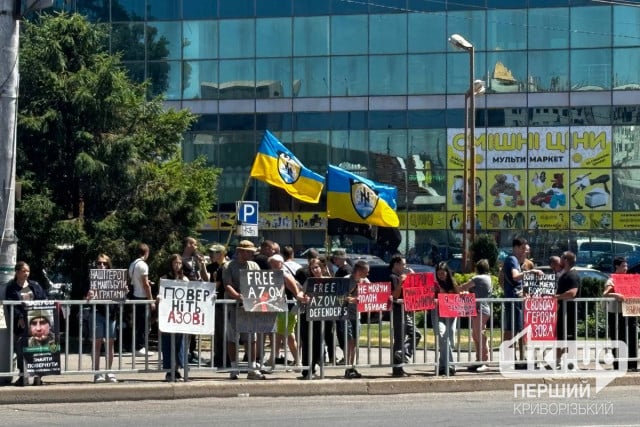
(541, 314)
(109, 284)
(457, 305)
(375, 296)
(41, 342)
(263, 291)
(419, 292)
(327, 299)
(186, 307)
(626, 284)
(537, 286)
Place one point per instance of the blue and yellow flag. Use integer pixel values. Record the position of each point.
(357, 199)
(277, 166)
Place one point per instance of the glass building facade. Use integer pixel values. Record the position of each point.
(376, 88)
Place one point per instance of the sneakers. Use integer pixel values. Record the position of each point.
(351, 373)
(255, 375)
(399, 373)
(37, 381)
(98, 378)
(234, 375)
(143, 352)
(341, 362)
(176, 378)
(111, 378)
(482, 368)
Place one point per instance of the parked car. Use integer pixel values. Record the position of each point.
(583, 272)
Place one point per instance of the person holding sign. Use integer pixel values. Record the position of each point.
(405, 335)
(351, 327)
(480, 284)
(311, 331)
(620, 327)
(446, 326)
(568, 290)
(105, 327)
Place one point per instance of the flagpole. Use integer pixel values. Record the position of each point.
(244, 193)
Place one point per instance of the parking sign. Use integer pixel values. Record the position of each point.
(247, 218)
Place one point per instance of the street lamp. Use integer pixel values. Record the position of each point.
(476, 87)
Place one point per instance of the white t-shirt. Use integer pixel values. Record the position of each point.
(138, 270)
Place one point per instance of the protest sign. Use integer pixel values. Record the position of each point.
(263, 290)
(108, 284)
(541, 313)
(186, 307)
(41, 342)
(537, 286)
(327, 298)
(374, 297)
(629, 286)
(255, 322)
(456, 305)
(419, 292)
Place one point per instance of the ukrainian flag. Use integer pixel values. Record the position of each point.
(277, 166)
(357, 199)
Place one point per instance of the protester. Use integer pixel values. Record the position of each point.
(568, 290)
(195, 269)
(311, 339)
(446, 326)
(480, 285)
(512, 285)
(139, 274)
(351, 328)
(218, 257)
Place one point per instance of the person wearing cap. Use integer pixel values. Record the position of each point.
(40, 328)
(218, 257)
(231, 281)
(339, 259)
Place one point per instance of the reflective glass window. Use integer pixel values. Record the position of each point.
(311, 121)
(626, 68)
(506, 29)
(312, 148)
(237, 9)
(381, 39)
(129, 10)
(315, 7)
(626, 115)
(237, 122)
(506, 4)
(163, 10)
(200, 39)
(101, 13)
(129, 41)
(199, 9)
(427, 32)
(387, 120)
(425, 119)
(548, 28)
(273, 37)
(349, 120)
(274, 8)
(349, 75)
(237, 38)
(507, 71)
(458, 69)
(426, 165)
(344, 141)
(590, 115)
(388, 75)
(426, 6)
(549, 71)
(169, 35)
(311, 36)
(200, 80)
(349, 35)
(274, 78)
(626, 21)
(274, 121)
(341, 7)
(549, 116)
(166, 78)
(469, 24)
(455, 117)
(426, 73)
(591, 26)
(507, 117)
(237, 79)
(206, 122)
(311, 75)
(591, 69)
(135, 70)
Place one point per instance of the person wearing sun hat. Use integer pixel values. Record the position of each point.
(243, 260)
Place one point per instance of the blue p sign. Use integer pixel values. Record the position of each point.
(248, 213)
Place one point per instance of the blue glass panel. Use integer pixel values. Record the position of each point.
(548, 3)
(237, 79)
(426, 74)
(311, 121)
(274, 121)
(313, 7)
(311, 36)
(237, 9)
(349, 76)
(200, 80)
(387, 119)
(349, 120)
(591, 69)
(549, 70)
(507, 72)
(135, 71)
(128, 10)
(388, 75)
(381, 40)
(166, 78)
(163, 10)
(626, 68)
(200, 39)
(237, 38)
(548, 28)
(458, 68)
(427, 32)
(626, 21)
(471, 25)
(349, 35)
(591, 26)
(95, 13)
(341, 7)
(426, 6)
(506, 4)
(168, 34)
(466, 5)
(128, 39)
(273, 37)
(388, 6)
(199, 9)
(311, 76)
(265, 8)
(206, 122)
(506, 29)
(274, 77)
(425, 119)
(241, 122)
(455, 117)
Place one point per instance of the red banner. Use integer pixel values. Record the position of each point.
(626, 284)
(457, 305)
(542, 315)
(419, 292)
(375, 296)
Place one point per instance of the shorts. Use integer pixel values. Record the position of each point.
(512, 317)
(352, 329)
(232, 333)
(104, 327)
(286, 323)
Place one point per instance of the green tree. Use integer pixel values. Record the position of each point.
(99, 164)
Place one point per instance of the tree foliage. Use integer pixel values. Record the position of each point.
(99, 163)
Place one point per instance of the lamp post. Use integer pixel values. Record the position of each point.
(476, 87)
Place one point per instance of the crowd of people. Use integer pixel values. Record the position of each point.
(316, 343)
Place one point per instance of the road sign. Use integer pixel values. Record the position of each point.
(247, 230)
(247, 213)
